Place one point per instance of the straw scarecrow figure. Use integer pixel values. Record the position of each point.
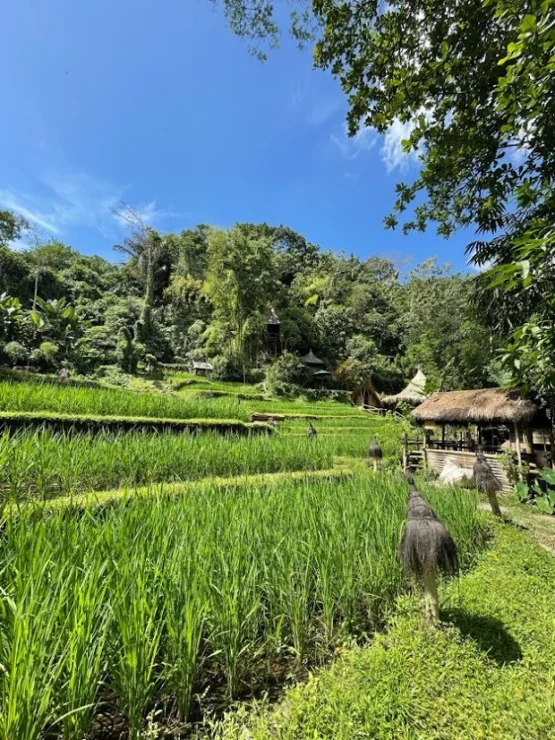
(375, 454)
(426, 548)
(486, 482)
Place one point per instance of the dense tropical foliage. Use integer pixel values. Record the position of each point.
(472, 85)
(207, 294)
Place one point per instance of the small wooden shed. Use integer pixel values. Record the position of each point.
(366, 396)
(202, 368)
(413, 395)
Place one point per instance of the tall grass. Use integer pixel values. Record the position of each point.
(44, 464)
(151, 605)
(113, 402)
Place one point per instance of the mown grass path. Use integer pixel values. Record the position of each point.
(488, 673)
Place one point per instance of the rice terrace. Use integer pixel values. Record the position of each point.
(277, 387)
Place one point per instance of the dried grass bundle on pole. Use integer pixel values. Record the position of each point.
(486, 482)
(311, 432)
(375, 453)
(426, 548)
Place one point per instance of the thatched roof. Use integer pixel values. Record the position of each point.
(311, 359)
(486, 406)
(366, 385)
(202, 365)
(413, 394)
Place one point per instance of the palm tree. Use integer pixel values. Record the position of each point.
(145, 246)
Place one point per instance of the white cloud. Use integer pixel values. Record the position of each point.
(76, 199)
(23, 207)
(322, 110)
(392, 151)
(352, 147)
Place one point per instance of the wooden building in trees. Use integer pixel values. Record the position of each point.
(413, 395)
(496, 420)
(201, 368)
(366, 396)
(272, 336)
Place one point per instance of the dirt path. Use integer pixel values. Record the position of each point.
(539, 526)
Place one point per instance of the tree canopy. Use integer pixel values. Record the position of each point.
(208, 293)
(473, 83)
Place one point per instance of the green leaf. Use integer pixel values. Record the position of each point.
(522, 490)
(525, 267)
(543, 505)
(548, 475)
(529, 23)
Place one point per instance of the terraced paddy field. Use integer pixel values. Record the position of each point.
(41, 465)
(175, 605)
(53, 397)
(153, 581)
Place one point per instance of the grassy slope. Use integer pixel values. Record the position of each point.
(487, 675)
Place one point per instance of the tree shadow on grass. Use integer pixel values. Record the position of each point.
(489, 633)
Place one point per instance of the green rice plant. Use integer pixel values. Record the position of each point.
(138, 622)
(186, 599)
(113, 402)
(146, 606)
(86, 624)
(32, 647)
(45, 464)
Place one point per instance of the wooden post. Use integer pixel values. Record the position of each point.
(443, 436)
(530, 440)
(518, 451)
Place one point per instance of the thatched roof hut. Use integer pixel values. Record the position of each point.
(485, 406)
(413, 395)
(365, 395)
(313, 362)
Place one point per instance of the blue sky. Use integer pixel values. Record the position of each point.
(156, 104)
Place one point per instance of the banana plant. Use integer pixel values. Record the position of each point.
(58, 321)
(11, 317)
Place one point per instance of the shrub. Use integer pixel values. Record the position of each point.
(326, 394)
(227, 367)
(112, 374)
(45, 355)
(16, 352)
(286, 375)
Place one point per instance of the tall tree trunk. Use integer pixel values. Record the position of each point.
(146, 312)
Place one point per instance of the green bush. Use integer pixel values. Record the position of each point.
(16, 353)
(45, 356)
(285, 376)
(226, 367)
